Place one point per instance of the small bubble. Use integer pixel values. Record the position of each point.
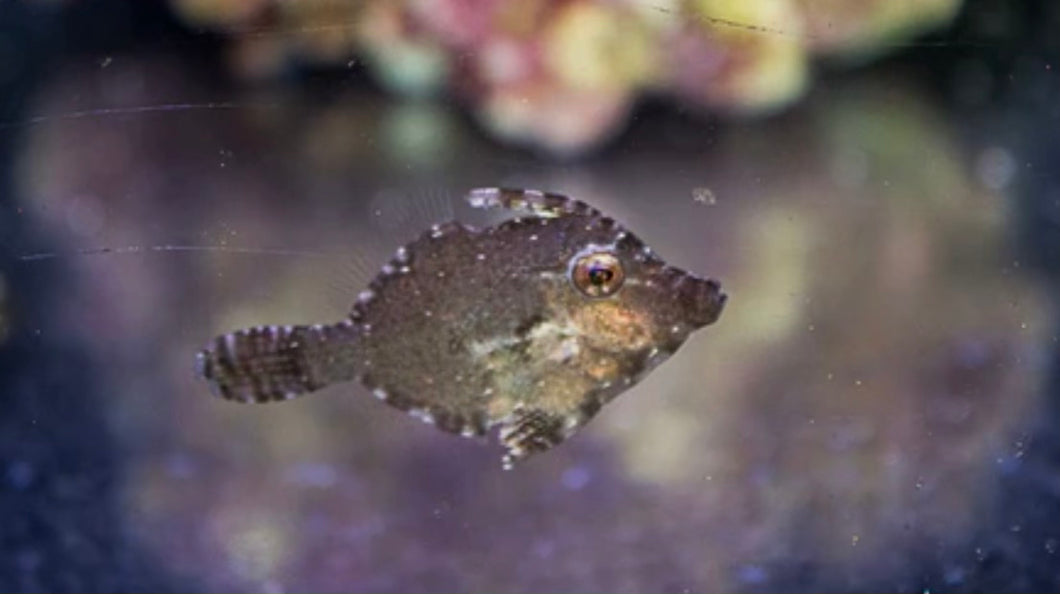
(20, 475)
(850, 168)
(704, 195)
(85, 215)
(544, 549)
(28, 560)
(996, 167)
(180, 466)
(753, 574)
(311, 474)
(575, 478)
(953, 575)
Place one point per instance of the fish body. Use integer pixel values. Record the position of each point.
(532, 324)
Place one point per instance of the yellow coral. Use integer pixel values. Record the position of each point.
(218, 13)
(521, 19)
(776, 75)
(597, 46)
(866, 27)
(768, 64)
(765, 20)
(325, 30)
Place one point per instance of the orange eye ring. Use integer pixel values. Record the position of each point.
(598, 274)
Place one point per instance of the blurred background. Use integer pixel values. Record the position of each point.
(875, 182)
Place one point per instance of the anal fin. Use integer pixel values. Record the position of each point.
(530, 431)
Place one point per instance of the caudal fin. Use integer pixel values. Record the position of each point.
(269, 363)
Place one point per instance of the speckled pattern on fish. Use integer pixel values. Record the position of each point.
(532, 324)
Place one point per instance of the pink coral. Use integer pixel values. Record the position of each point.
(562, 74)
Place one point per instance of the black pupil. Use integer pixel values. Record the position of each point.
(599, 275)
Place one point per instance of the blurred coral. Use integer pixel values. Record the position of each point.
(724, 56)
(561, 75)
(868, 26)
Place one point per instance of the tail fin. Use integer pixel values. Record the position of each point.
(268, 363)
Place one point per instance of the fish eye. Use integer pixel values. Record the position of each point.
(598, 274)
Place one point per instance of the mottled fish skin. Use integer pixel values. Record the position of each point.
(532, 324)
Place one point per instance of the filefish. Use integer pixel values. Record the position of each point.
(532, 325)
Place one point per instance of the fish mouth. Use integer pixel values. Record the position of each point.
(704, 300)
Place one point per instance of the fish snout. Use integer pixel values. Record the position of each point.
(703, 300)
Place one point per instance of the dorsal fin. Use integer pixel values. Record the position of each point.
(535, 202)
